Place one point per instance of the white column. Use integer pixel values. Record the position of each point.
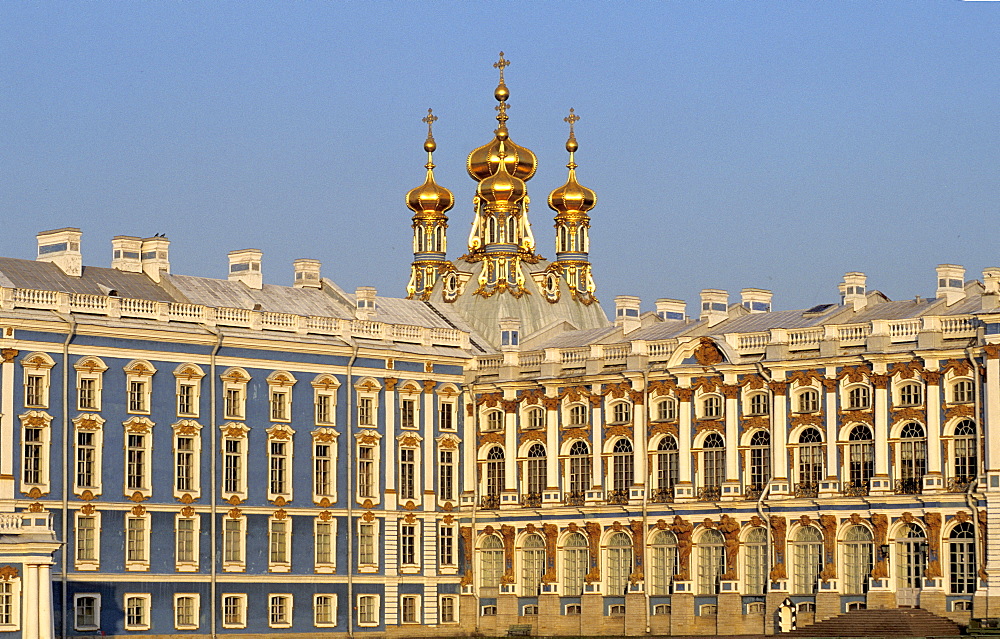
(881, 426)
(391, 467)
(44, 602)
(833, 469)
(597, 441)
(639, 438)
(933, 422)
(466, 413)
(684, 475)
(429, 457)
(30, 599)
(779, 429)
(552, 446)
(732, 433)
(7, 423)
(510, 441)
(991, 429)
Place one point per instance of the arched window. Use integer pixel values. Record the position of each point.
(666, 410)
(563, 239)
(760, 404)
(491, 561)
(962, 559)
(808, 401)
(622, 465)
(911, 394)
(439, 239)
(966, 459)
(755, 561)
(911, 560)
(532, 565)
(663, 562)
(619, 563)
(713, 461)
(760, 460)
(583, 240)
(711, 407)
(579, 470)
(511, 235)
(535, 418)
(577, 415)
(536, 471)
(667, 460)
(494, 472)
(491, 230)
(808, 559)
(962, 392)
(621, 413)
(575, 558)
(418, 239)
(494, 420)
(912, 459)
(811, 462)
(858, 559)
(711, 561)
(859, 398)
(861, 460)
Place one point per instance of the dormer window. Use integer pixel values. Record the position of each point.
(509, 338)
(366, 304)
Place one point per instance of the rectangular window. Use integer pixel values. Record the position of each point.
(86, 398)
(86, 611)
(323, 470)
(136, 612)
(446, 545)
(137, 396)
(232, 542)
(234, 403)
(448, 610)
(366, 411)
(34, 391)
(366, 471)
(408, 544)
(8, 611)
(185, 468)
(324, 540)
(368, 611)
(279, 541)
(446, 416)
(366, 544)
(234, 609)
(409, 605)
(279, 405)
(86, 538)
(279, 468)
(136, 544)
(186, 531)
(408, 413)
(33, 445)
(407, 473)
(135, 461)
(186, 399)
(232, 466)
(324, 409)
(186, 611)
(446, 475)
(280, 611)
(86, 459)
(325, 610)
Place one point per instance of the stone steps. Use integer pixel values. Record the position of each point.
(882, 622)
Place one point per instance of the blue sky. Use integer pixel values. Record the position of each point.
(731, 144)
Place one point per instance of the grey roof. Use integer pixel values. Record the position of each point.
(274, 298)
(758, 322)
(662, 329)
(903, 309)
(573, 339)
(46, 276)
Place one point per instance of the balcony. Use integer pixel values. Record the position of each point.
(531, 500)
(855, 488)
(960, 484)
(490, 502)
(710, 493)
(618, 497)
(576, 498)
(753, 492)
(663, 496)
(908, 487)
(806, 489)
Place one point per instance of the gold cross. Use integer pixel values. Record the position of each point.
(501, 64)
(572, 118)
(430, 120)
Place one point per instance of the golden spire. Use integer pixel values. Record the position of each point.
(430, 198)
(482, 162)
(572, 197)
(429, 144)
(571, 144)
(501, 94)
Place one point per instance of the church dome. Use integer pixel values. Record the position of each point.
(572, 197)
(430, 197)
(502, 187)
(484, 161)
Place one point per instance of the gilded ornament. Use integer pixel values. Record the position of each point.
(187, 511)
(9, 354)
(36, 507)
(8, 572)
(279, 501)
(369, 516)
(367, 504)
(235, 513)
(707, 353)
(409, 505)
(88, 509)
(138, 510)
(778, 526)
(86, 495)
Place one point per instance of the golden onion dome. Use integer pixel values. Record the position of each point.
(430, 197)
(501, 187)
(483, 162)
(572, 196)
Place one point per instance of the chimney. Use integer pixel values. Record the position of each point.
(365, 305)
(627, 312)
(852, 290)
(756, 300)
(991, 282)
(668, 309)
(155, 257)
(714, 305)
(510, 333)
(306, 273)
(125, 251)
(62, 248)
(951, 283)
(244, 266)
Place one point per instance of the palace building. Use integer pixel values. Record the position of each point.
(490, 451)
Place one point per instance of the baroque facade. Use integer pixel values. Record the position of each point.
(490, 451)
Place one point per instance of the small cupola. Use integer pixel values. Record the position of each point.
(950, 283)
(510, 333)
(627, 312)
(853, 291)
(155, 256)
(244, 266)
(756, 300)
(62, 248)
(307, 273)
(670, 309)
(714, 305)
(365, 302)
(126, 253)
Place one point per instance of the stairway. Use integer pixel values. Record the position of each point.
(886, 622)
